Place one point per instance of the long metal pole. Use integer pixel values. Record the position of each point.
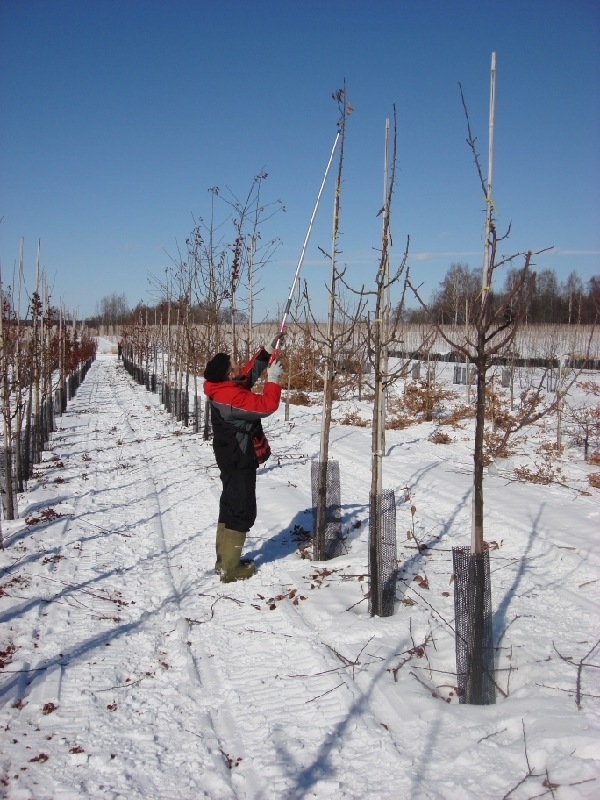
(288, 305)
(250, 297)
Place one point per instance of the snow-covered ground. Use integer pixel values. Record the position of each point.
(130, 671)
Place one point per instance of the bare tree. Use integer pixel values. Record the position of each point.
(334, 341)
(573, 293)
(457, 293)
(112, 310)
(494, 324)
(383, 333)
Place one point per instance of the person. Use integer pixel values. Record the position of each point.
(240, 446)
(119, 350)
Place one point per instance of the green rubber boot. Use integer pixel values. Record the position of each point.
(219, 546)
(232, 568)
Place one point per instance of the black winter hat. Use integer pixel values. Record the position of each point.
(217, 368)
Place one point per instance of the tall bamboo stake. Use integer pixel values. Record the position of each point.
(6, 413)
(385, 315)
(378, 435)
(168, 344)
(477, 525)
(467, 375)
(35, 327)
(320, 544)
(559, 408)
(61, 359)
(19, 377)
(486, 247)
(329, 354)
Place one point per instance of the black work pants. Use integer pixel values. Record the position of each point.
(237, 506)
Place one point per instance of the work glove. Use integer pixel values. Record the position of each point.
(270, 347)
(274, 372)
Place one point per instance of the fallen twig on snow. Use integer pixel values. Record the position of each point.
(580, 667)
(212, 609)
(489, 736)
(346, 661)
(358, 603)
(324, 693)
(519, 616)
(125, 685)
(530, 773)
(445, 621)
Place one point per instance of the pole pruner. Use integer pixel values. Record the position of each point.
(288, 304)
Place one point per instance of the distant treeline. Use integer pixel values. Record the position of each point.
(113, 310)
(568, 303)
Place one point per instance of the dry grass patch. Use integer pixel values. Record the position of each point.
(299, 399)
(399, 421)
(354, 419)
(594, 480)
(458, 414)
(544, 473)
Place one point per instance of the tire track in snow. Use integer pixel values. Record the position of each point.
(330, 721)
(199, 670)
(140, 751)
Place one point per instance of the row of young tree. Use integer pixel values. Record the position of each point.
(215, 278)
(43, 358)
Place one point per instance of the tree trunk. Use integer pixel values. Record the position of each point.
(320, 543)
(477, 527)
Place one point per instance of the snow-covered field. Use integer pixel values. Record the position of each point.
(130, 671)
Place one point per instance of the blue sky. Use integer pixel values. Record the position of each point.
(118, 115)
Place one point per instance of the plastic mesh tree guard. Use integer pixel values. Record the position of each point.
(326, 512)
(461, 375)
(197, 413)
(185, 408)
(7, 460)
(207, 423)
(473, 622)
(383, 562)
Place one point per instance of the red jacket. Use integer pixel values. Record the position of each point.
(236, 414)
